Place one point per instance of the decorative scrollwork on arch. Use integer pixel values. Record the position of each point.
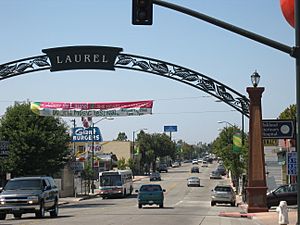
(24, 66)
(193, 78)
(127, 61)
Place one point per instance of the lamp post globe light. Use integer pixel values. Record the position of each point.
(93, 149)
(255, 78)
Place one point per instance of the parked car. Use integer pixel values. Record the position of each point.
(195, 169)
(163, 167)
(204, 164)
(155, 176)
(29, 195)
(221, 170)
(223, 194)
(286, 193)
(193, 181)
(175, 164)
(195, 161)
(215, 175)
(149, 194)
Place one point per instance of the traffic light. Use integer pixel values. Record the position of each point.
(142, 12)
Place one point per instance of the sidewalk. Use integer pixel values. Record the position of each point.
(268, 218)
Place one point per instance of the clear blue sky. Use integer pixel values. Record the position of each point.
(29, 26)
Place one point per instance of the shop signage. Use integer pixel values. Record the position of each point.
(278, 129)
(80, 134)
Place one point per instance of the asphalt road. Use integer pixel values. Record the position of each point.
(183, 205)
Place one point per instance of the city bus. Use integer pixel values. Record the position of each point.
(115, 183)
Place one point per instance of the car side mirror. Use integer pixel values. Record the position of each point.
(164, 190)
(136, 191)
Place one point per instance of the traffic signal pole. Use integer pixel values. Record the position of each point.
(292, 51)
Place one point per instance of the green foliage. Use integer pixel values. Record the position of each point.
(236, 162)
(37, 145)
(122, 165)
(155, 145)
(133, 164)
(87, 172)
(289, 113)
(122, 137)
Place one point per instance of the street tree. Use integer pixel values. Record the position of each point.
(289, 113)
(152, 147)
(122, 137)
(234, 161)
(37, 145)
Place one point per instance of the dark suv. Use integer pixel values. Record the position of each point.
(29, 195)
(163, 167)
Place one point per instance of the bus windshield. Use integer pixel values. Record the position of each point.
(111, 180)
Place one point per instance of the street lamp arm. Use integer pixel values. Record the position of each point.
(248, 34)
(226, 123)
(104, 118)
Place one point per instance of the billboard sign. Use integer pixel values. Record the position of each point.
(81, 134)
(170, 128)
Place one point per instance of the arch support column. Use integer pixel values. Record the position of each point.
(257, 188)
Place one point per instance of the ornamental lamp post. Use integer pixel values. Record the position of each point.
(93, 149)
(257, 187)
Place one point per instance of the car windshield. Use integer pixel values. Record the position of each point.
(223, 189)
(151, 188)
(34, 184)
(111, 180)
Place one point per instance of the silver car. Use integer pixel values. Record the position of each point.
(223, 194)
(193, 181)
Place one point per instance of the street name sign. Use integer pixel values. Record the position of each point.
(278, 129)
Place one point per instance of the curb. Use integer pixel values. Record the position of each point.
(237, 214)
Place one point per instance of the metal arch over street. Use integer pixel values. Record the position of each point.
(109, 58)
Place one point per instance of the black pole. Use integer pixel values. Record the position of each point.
(74, 158)
(292, 51)
(297, 44)
(243, 130)
(93, 158)
(266, 41)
